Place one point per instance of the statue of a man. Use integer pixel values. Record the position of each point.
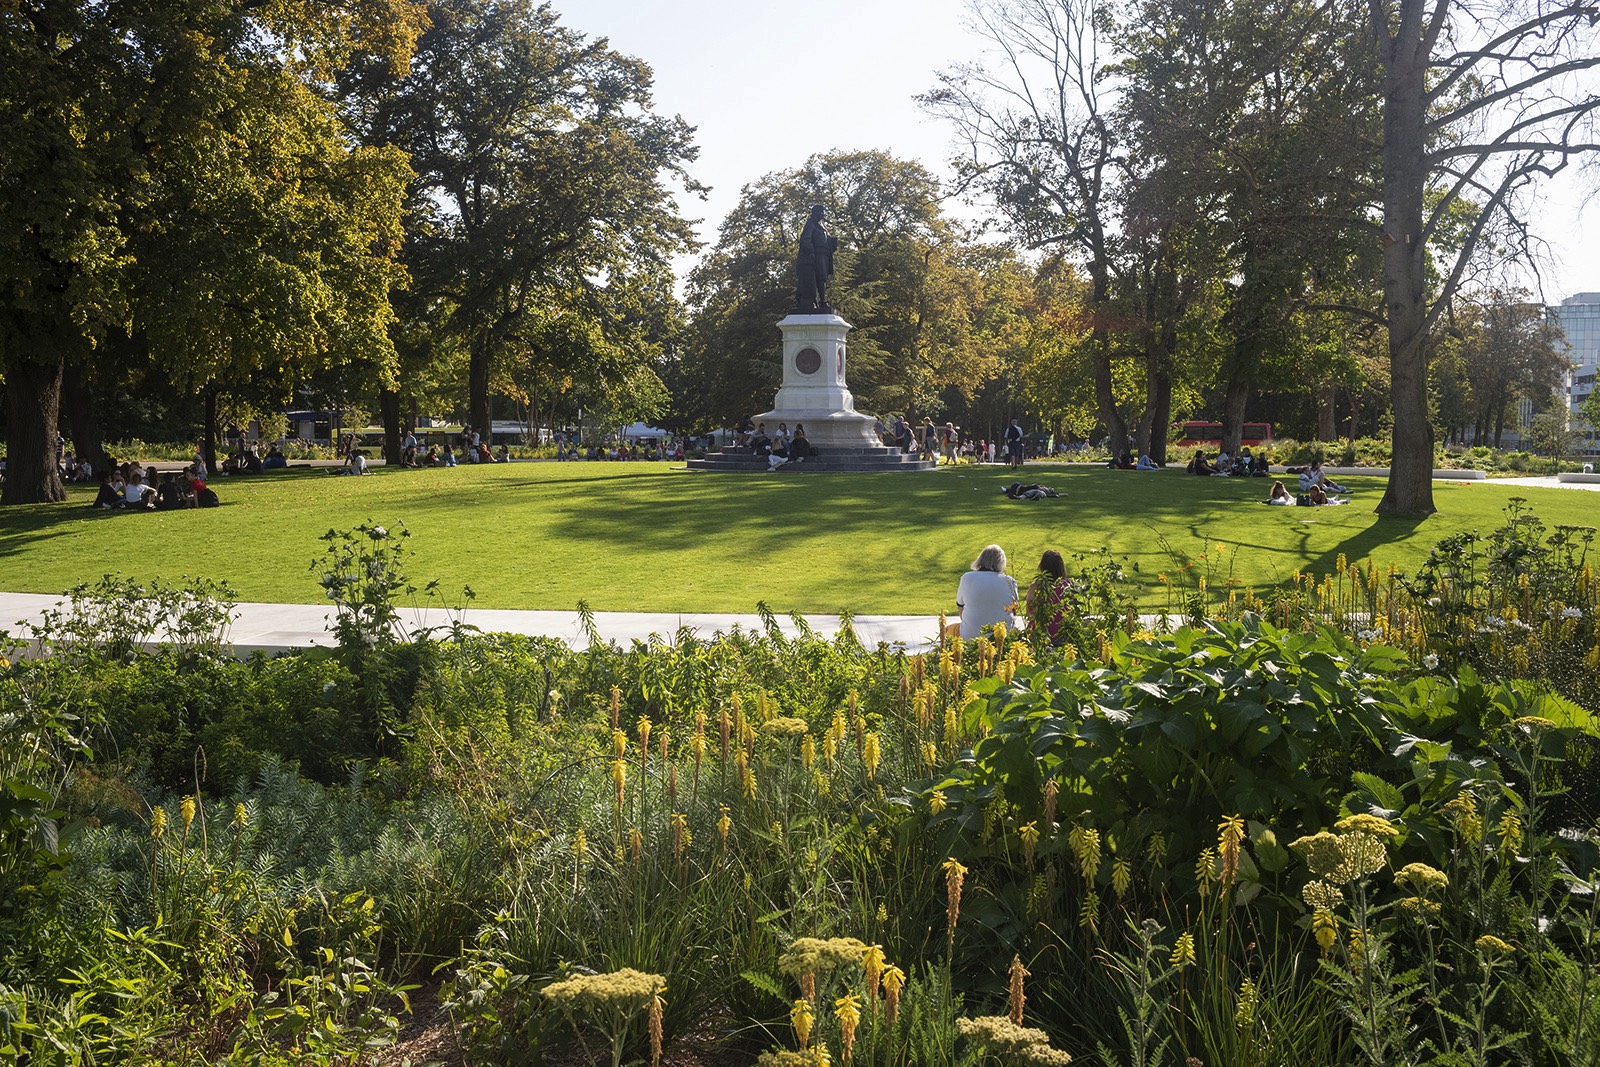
(814, 265)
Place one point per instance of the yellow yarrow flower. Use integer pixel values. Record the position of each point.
(1367, 824)
(158, 822)
(936, 801)
(186, 810)
(1183, 951)
(1489, 943)
(870, 754)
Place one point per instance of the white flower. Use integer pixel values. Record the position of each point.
(1431, 661)
(379, 533)
(1367, 635)
(1520, 625)
(1572, 613)
(1495, 622)
(328, 687)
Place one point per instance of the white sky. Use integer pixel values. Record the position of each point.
(767, 85)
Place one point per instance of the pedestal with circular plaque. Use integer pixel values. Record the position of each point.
(814, 394)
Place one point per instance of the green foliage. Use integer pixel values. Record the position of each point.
(752, 814)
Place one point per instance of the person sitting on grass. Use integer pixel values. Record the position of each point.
(355, 463)
(986, 594)
(136, 496)
(110, 494)
(1045, 597)
(1280, 497)
(275, 459)
(169, 494)
(1198, 464)
(1314, 475)
(1123, 462)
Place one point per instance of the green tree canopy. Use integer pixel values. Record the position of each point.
(542, 193)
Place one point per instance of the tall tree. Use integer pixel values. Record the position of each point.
(1036, 136)
(542, 185)
(1511, 351)
(1258, 123)
(1481, 99)
(176, 177)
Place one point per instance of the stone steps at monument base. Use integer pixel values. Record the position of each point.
(865, 460)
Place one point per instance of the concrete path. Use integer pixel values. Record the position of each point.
(1547, 482)
(279, 627)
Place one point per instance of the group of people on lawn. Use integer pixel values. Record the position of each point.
(130, 487)
(1244, 465)
(473, 449)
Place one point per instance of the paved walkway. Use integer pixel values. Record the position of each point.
(1546, 482)
(279, 627)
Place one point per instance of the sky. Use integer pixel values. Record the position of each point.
(768, 85)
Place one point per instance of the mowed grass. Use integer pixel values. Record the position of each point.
(647, 537)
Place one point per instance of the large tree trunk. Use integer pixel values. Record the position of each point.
(1405, 170)
(208, 430)
(1104, 396)
(77, 409)
(1234, 402)
(389, 407)
(478, 389)
(1326, 430)
(33, 402)
(1161, 417)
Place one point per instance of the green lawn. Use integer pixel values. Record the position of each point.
(645, 537)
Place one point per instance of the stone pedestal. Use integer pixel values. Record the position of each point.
(814, 393)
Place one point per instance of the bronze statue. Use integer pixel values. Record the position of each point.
(814, 265)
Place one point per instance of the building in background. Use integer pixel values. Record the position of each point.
(1579, 317)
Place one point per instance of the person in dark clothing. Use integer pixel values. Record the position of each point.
(800, 446)
(108, 497)
(1014, 443)
(760, 443)
(169, 494)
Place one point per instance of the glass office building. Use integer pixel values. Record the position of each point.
(1579, 317)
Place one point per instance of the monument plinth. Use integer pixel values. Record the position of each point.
(814, 392)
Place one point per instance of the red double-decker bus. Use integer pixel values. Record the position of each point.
(1196, 434)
